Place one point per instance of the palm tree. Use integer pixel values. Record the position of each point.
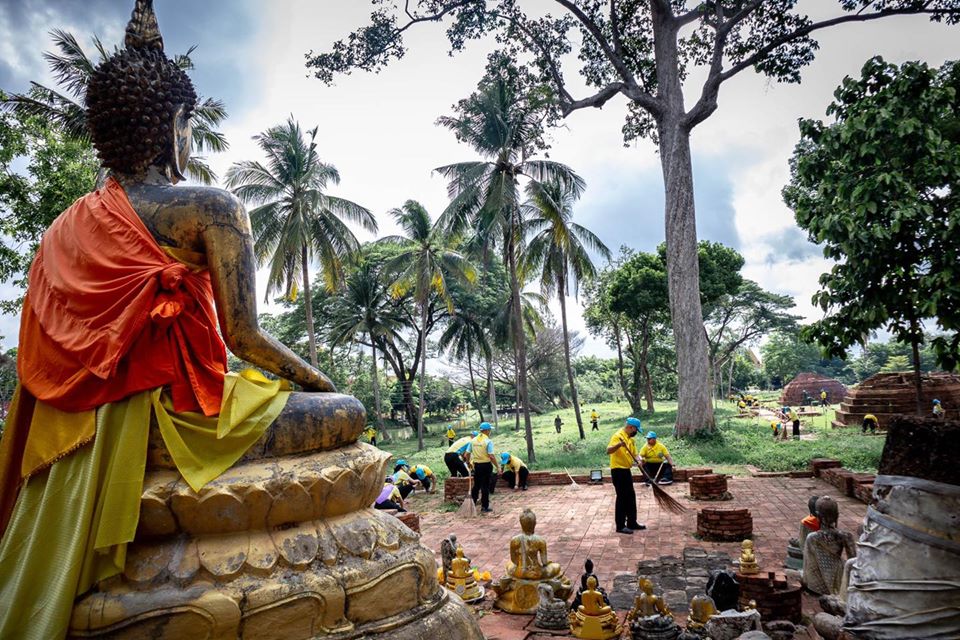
(65, 108)
(503, 127)
(295, 221)
(363, 307)
(426, 263)
(559, 249)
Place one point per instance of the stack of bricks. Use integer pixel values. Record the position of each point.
(775, 598)
(863, 491)
(724, 525)
(412, 520)
(684, 475)
(849, 482)
(711, 486)
(818, 465)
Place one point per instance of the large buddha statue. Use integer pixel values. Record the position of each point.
(517, 591)
(823, 564)
(145, 492)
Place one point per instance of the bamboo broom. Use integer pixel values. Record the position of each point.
(664, 499)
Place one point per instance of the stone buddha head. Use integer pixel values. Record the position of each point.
(528, 522)
(828, 512)
(139, 105)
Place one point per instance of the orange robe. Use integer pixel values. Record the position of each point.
(108, 314)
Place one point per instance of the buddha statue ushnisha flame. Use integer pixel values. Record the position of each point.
(145, 491)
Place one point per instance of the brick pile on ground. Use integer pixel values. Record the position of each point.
(776, 599)
(412, 520)
(711, 486)
(724, 524)
(819, 465)
(676, 578)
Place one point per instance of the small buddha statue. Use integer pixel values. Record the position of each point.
(552, 612)
(748, 561)
(702, 609)
(823, 564)
(517, 591)
(646, 604)
(587, 573)
(594, 619)
(448, 551)
(461, 581)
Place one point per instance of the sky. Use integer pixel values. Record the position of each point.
(380, 132)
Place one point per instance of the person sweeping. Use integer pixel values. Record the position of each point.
(623, 455)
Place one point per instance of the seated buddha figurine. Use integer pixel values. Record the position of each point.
(594, 619)
(702, 609)
(748, 560)
(461, 581)
(146, 490)
(646, 604)
(529, 565)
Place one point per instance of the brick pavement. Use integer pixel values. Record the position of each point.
(578, 524)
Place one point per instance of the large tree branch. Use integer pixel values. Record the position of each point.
(597, 33)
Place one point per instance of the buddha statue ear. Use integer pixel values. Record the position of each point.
(182, 142)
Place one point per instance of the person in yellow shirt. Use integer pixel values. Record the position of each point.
(515, 472)
(594, 420)
(453, 458)
(869, 422)
(371, 435)
(794, 417)
(483, 460)
(451, 434)
(823, 397)
(424, 474)
(623, 455)
(402, 479)
(389, 497)
(656, 460)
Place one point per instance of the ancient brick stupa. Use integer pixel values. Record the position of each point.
(886, 395)
(812, 383)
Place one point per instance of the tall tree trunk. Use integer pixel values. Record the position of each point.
(491, 391)
(620, 376)
(375, 383)
(473, 385)
(520, 339)
(423, 372)
(516, 390)
(644, 352)
(733, 361)
(308, 301)
(561, 293)
(694, 409)
(918, 381)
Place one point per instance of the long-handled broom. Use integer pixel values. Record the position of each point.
(664, 499)
(468, 509)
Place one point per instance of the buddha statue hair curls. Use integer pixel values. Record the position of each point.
(133, 97)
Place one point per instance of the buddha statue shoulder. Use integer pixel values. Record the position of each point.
(528, 552)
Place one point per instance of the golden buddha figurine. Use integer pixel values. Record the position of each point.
(748, 561)
(646, 604)
(594, 619)
(702, 608)
(238, 508)
(461, 579)
(517, 591)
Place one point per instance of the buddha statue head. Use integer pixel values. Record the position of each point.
(591, 583)
(139, 104)
(828, 512)
(746, 547)
(812, 505)
(645, 585)
(528, 522)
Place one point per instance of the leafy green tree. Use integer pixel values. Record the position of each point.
(879, 188)
(503, 122)
(425, 264)
(59, 169)
(295, 221)
(560, 250)
(654, 54)
(64, 107)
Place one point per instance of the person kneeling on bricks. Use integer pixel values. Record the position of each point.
(402, 479)
(389, 497)
(515, 472)
(656, 460)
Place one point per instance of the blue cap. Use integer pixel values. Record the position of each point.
(651, 434)
(634, 422)
(420, 473)
(486, 426)
(936, 402)
(474, 433)
(504, 457)
(401, 463)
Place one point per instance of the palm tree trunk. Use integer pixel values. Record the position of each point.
(473, 386)
(491, 391)
(308, 300)
(375, 382)
(519, 338)
(423, 373)
(561, 293)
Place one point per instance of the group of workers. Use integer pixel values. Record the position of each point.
(783, 417)
(476, 452)
(404, 480)
(871, 424)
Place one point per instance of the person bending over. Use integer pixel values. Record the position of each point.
(515, 472)
(453, 458)
(401, 478)
(424, 474)
(389, 497)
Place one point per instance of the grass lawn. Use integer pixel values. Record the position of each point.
(738, 442)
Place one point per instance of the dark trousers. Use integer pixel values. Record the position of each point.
(388, 504)
(796, 429)
(482, 473)
(653, 468)
(869, 424)
(405, 490)
(455, 465)
(510, 478)
(449, 442)
(557, 426)
(595, 427)
(426, 482)
(625, 511)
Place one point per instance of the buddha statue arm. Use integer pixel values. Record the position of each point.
(229, 249)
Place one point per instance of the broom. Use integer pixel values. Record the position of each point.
(573, 483)
(468, 509)
(664, 499)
